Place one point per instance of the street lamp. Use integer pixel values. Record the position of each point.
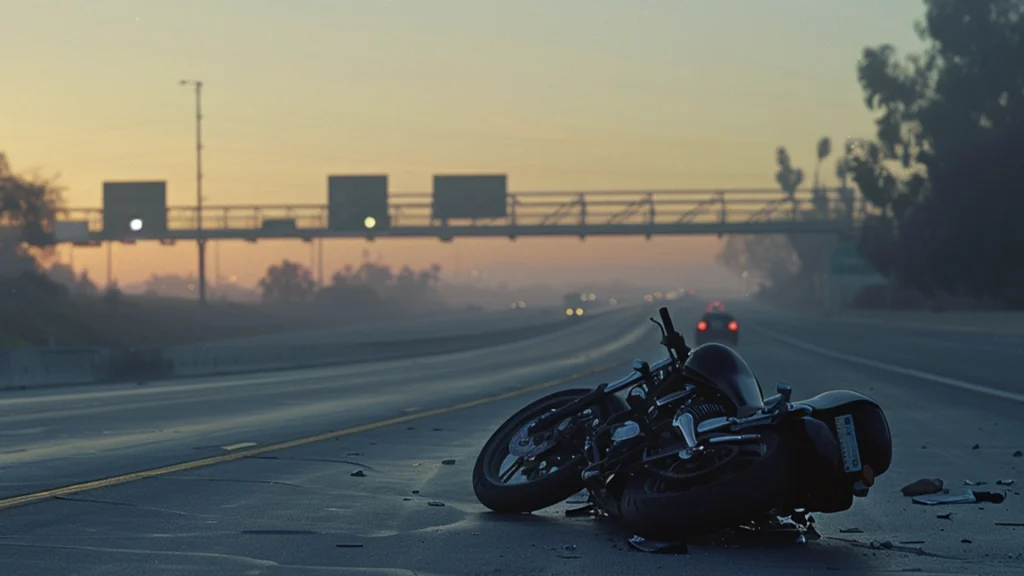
(201, 242)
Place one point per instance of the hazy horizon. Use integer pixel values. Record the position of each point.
(568, 96)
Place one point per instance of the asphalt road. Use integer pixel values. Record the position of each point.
(299, 510)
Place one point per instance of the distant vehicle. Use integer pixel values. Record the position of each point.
(717, 326)
(577, 304)
(518, 305)
(716, 306)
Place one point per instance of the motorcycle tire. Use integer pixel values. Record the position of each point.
(725, 503)
(543, 492)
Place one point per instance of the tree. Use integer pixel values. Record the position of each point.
(288, 282)
(788, 177)
(820, 195)
(28, 206)
(945, 170)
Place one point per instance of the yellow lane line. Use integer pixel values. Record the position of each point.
(239, 454)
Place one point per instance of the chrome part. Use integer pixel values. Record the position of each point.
(713, 424)
(634, 378)
(641, 367)
(677, 395)
(755, 420)
(619, 385)
(734, 438)
(627, 430)
(687, 427)
(783, 392)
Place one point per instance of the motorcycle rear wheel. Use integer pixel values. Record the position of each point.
(726, 499)
(545, 491)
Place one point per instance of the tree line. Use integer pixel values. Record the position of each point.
(942, 175)
(370, 286)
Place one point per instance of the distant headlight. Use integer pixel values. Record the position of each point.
(569, 311)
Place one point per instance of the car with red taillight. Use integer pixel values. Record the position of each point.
(718, 326)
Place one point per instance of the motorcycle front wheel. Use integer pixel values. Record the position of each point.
(728, 486)
(548, 479)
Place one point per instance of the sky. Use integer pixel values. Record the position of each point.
(560, 95)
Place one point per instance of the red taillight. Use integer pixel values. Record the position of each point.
(733, 326)
(702, 326)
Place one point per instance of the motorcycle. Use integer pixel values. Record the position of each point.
(687, 446)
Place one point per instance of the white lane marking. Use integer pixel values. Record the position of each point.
(963, 385)
(345, 404)
(239, 446)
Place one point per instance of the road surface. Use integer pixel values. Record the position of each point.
(299, 509)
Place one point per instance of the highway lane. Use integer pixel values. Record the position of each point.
(300, 511)
(990, 359)
(55, 437)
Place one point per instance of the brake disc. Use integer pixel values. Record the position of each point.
(527, 446)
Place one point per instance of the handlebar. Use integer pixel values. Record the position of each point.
(666, 319)
(633, 378)
(673, 340)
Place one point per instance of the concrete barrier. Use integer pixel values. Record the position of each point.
(33, 368)
(29, 367)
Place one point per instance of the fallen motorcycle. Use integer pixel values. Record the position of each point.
(687, 446)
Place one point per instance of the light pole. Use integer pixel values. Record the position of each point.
(201, 242)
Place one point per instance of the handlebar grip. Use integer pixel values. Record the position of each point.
(667, 320)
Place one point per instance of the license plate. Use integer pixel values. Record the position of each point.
(848, 443)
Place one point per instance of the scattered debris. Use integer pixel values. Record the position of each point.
(851, 531)
(435, 504)
(415, 491)
(946, 516)
(1018, 453)
(657, 546)
(909, 542)
(569, 547)
(348, 545)
(358, 474)
(406, 499)
(1004, 482)
(970, 497)
(354, 454)
(966, 541)
(973, 483)
(580, 511)
(1011, 524)
(438, 430)
(922, 487)
(448, 462)
(976, 446)
(410, 428)
(886, 545)
(415, 464)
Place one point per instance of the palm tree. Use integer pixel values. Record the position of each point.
(820, 198)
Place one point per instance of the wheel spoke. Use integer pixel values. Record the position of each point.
(507, 475)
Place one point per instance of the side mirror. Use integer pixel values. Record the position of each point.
(641, 367)
(784, 390)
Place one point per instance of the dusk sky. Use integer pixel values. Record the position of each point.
(561, 95)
